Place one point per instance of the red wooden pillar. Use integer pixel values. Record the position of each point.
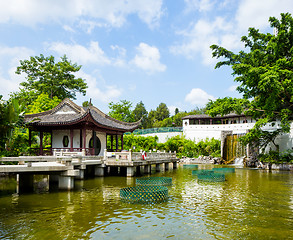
(80, 139)
(41, 143)
(71, 140)
(84, 138)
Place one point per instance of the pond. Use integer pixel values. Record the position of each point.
(250, 204)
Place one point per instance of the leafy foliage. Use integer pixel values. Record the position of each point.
(265, 73)
(43, 103)
(162, 112)
(182, 146)
(223, 106)
(10, 118)
(140, 112)
(276, 157)
(43, 75)
(121, 110)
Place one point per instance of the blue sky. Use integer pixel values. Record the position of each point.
(139, 50)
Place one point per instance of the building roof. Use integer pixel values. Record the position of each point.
(205, 116)
(68, 113)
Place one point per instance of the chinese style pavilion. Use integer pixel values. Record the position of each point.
(75, 129)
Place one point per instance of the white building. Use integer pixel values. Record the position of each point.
(200, 127)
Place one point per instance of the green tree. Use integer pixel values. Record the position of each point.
(43, 75)
(140, 112)
(265, 72)
(121, 110)
(176, 111)
(10, 117)
(223, 106)
(43, 103)
(162, 112)
(151, 119)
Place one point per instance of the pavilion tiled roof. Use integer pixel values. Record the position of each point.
(68, 113)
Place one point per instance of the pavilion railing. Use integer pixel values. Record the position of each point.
(57, 151)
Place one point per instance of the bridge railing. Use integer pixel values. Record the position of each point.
(138, 156)
(67, 160)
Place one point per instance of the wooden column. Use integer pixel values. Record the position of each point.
(84, 138)
(94, 143)
(41, 142)
(80, 138)
(71, 140)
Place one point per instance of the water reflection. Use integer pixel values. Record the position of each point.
(250, 204)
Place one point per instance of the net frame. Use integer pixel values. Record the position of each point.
(144, 194)
(214, 177)
(162, 181)
(190, 166)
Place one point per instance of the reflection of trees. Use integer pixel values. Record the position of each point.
(62, 215)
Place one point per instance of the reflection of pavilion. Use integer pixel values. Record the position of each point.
(76, 129)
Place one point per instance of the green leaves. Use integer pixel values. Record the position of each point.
(265, 73)
(43, 75)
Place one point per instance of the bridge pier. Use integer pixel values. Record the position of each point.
(174, 165)
(66, 182)
(130, 171)
(159, 167)
(166, 166)
(147, 169)
(99, 171)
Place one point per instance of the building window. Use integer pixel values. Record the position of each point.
(65, 141)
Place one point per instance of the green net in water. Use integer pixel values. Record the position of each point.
(164, 181)
(144, 194)
(213, 177)
(225, 170)
(190, 166)
(202, 171)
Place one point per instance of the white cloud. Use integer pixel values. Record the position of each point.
(201, 36)
(198, 97)
(148, 59)
(172, 109)
(113, 13)
(232, 88)
(97, 89)
(81, 54)
(256, 14)
(199, 5)
(9, 60)
(226, 30)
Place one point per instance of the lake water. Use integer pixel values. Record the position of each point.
(250, 204)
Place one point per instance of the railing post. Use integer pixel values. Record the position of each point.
(130, 155)
(105, 154)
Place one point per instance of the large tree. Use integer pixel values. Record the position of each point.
(162, 112)
(56, 79)
(140, 112)
(265, 72)
(121, 110)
